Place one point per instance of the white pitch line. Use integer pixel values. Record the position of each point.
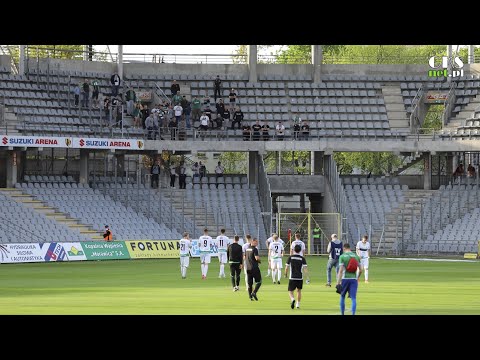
(425, 259)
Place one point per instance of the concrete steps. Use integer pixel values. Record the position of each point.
(466, 113)
(396, 113)
(411, 161)
(39, 206)
(399, 220)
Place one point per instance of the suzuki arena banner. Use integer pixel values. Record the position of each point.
(69, 142)
(195, 252)
(96, 143)
(102, 250)
(153, 249)
(35, 141)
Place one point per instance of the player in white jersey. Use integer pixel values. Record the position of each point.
(222, 243)
(267, 243)
(204, 243)
(363, 251)
(299, 242)
(185, 246)
(275, 254)
(244, 249)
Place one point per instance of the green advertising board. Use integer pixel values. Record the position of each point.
(101, 250)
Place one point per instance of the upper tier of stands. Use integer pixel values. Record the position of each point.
(341, 106)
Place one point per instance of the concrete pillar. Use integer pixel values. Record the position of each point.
(120, 61)
(317, 163)
(427, 171)
(120, 164)
(449, 166)
(449, 66)
(252, 167)
(85, 52)
(13, 165)
(317, 56)
(21, 62)
(279, 163)
(252, 63)
(471, 54)
(84, 153)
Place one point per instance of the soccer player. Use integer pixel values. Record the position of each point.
(252, 269)
(275, 254)
(349, 278)
(297, 265)
(204, 243)
(244, 249)
(235, 258)
(297, 241)
(185, 246)
(222, 243)
(363, 250)
(267, 244)
(334, 250)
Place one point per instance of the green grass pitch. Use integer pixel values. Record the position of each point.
(155, 287)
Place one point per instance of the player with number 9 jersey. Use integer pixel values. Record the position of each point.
(204, 243)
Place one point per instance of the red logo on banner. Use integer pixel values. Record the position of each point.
(5, 140)
(82, 142)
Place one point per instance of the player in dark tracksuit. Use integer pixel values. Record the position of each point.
(253, 271)
(235, 258)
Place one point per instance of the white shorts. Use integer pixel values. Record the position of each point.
(205, 258)
(184, 261)
(222, 257)
(276, 263)
(364, 262)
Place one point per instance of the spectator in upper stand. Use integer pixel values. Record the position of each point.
(246, 131)
(178, 112)
(130, 98)
(297, 123)
(280, 131)
(458, 172)
(186, 113)
(217, 86)
(96, 91)
(86, 93)
(265, 130)
(106, 108)
(208, 112)
(202, 170)
(172, 125)
(204, 120)
(145, 113)
(206, 100)
(256, 128)
(155, 172)
(177, 99)
(237, 118)
(152, 127)
(76, 91)
(115, 81)
(220, 107)
(195, 170)
(184, 101)
(173, 175)
(470, 171)
(219, 170)
(305, 130)
(137, 116)
(233, 99)
(175, 87)
(196, 109)
(224, 119)
(182, 175)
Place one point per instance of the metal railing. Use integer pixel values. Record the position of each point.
(449, 104)
(332, 175)
(418, 112)
(265, 195)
